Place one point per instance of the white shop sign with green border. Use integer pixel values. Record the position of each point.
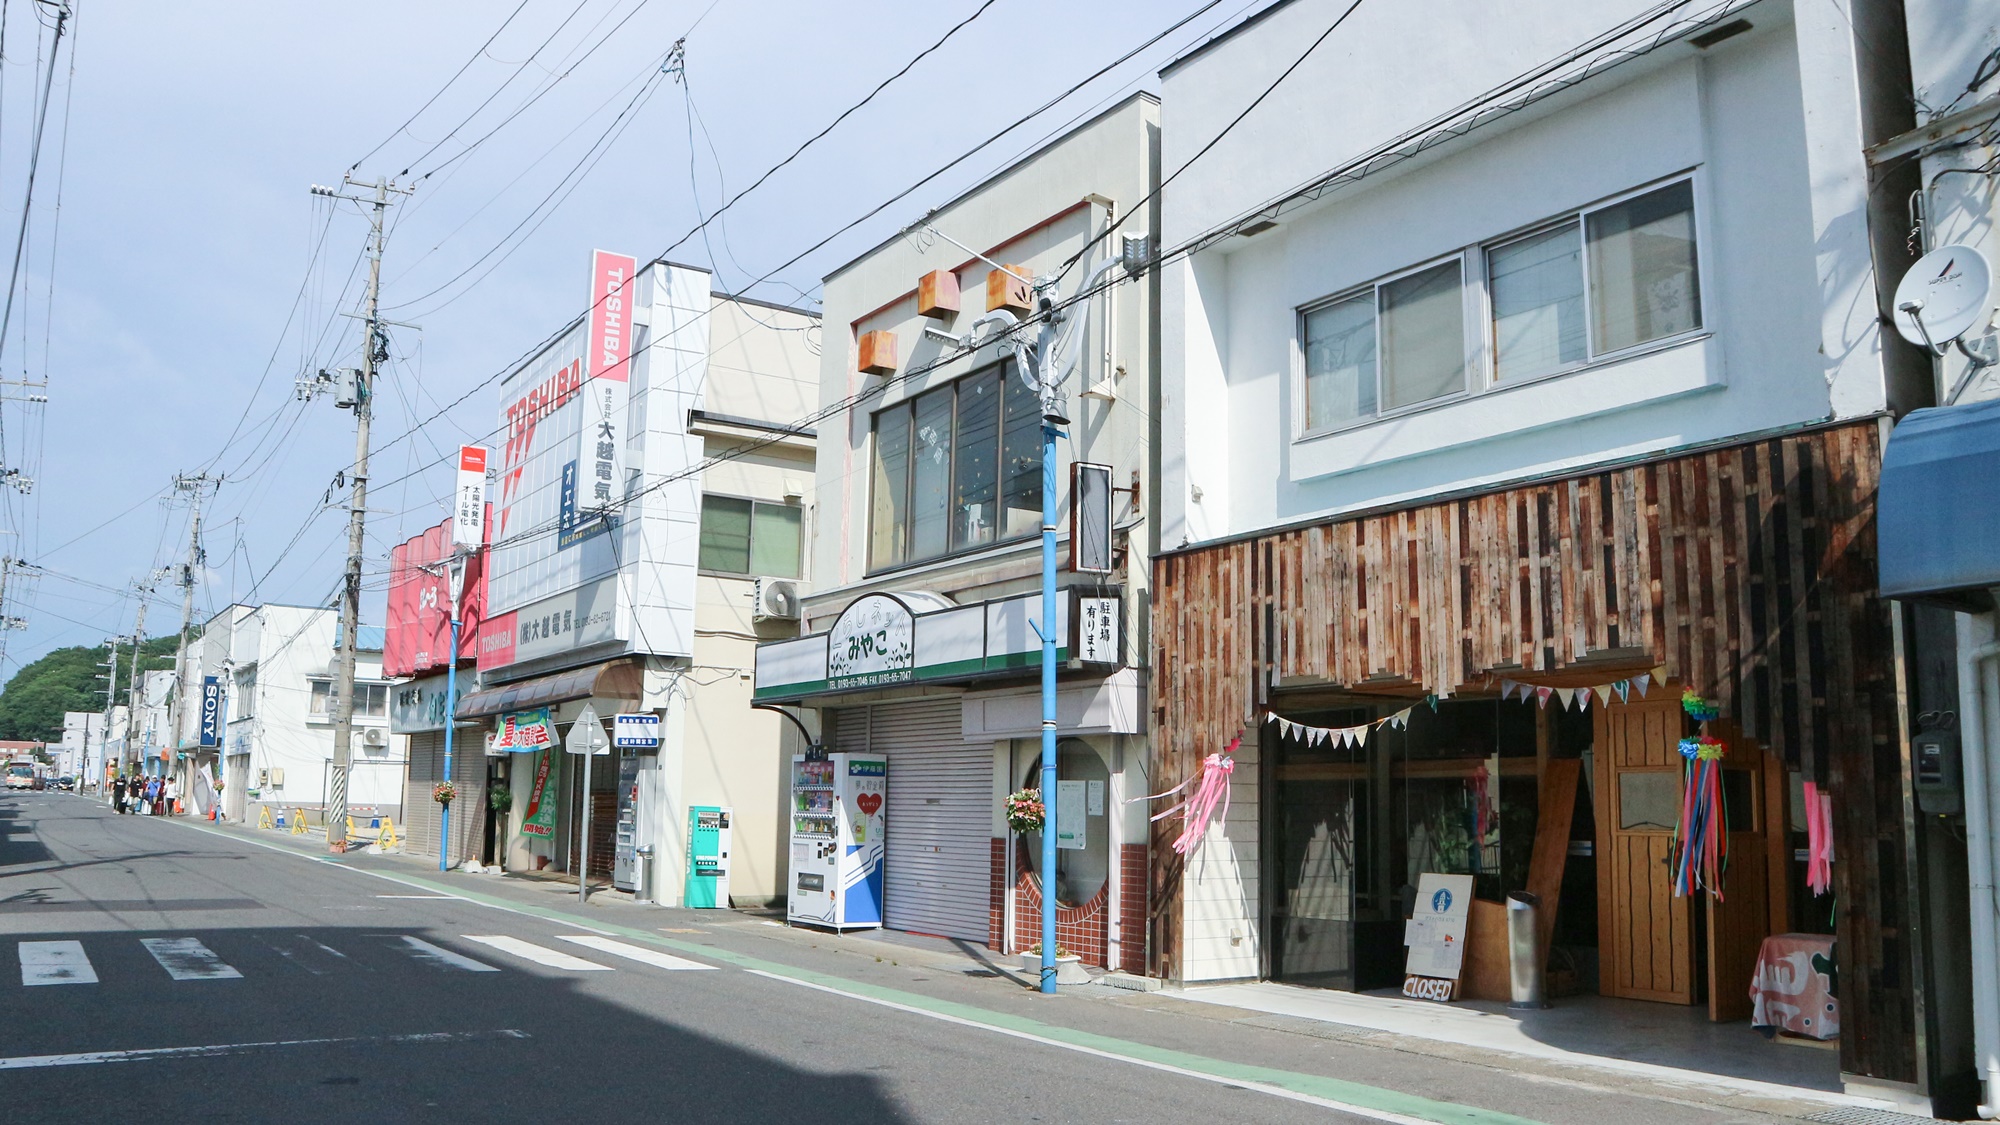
(882, 640)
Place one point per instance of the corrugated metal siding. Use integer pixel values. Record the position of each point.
(939, 821)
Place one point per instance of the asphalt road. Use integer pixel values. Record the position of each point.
(165, 971)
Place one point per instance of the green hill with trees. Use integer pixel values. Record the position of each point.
(69, 679)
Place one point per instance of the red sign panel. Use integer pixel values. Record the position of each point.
(419, 633)
(609, 347)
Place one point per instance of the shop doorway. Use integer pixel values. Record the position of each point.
(1654, 945)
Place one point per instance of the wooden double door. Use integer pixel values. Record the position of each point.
(1652, 945)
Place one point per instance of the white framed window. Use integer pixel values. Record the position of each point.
(1398, 343)
(1615, 276)
(1604, 279)
(371, 700)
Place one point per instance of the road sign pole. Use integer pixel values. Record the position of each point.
(586, 737)
(583, 845)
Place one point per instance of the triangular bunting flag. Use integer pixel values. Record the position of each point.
(1583, 699)
(1640, 682)
(1361, 734)
(1507, 689)
(1401, 718)
(1624, 690)
(1542, 695)
(1566, 695)
(1432, 700)
(1603, 693)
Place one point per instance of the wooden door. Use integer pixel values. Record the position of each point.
(1644, 933)
(1739, 921)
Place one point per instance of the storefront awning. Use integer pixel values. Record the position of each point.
(619, 679)
(1938, 509)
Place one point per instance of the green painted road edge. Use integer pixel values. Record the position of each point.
(1310, 1085)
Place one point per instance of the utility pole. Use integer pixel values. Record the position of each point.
(126, 755)
(110, 698)
(372, 351)
(196, 487)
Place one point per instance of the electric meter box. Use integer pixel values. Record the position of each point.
(1940, 773)
(708, 857)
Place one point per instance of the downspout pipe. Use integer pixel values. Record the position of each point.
(1979, 683)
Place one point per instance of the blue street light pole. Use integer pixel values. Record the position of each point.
(450, 721)
(1049, 435)
(455, 588)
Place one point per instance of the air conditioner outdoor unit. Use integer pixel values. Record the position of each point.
(374, 736)
(775, 599)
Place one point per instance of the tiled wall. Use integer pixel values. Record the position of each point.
(1132, 909)
(1079, 929)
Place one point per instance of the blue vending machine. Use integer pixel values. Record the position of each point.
(839, 819)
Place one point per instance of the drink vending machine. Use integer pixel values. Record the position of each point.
(839, 823)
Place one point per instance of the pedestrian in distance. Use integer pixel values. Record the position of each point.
(154, 788)
(172, 792)
(118, 794)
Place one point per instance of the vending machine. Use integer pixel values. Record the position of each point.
(708, 857)
(838, 828)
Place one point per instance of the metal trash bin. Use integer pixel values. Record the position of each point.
(1524, 961)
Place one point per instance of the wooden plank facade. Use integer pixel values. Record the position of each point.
(1745, 570)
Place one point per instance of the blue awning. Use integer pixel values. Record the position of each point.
(1938, 510)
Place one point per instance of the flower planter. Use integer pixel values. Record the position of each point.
(1069, 969)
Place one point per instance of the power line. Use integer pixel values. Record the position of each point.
(568, 184)
(456, 75)
(850, 111)
(34, 163)
(524, 106)
(553, 337)
(1073, 259)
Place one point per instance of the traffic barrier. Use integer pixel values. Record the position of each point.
(384, 828)
(298, 822)
(264, 818)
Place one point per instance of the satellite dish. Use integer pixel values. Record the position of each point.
(1944, 296)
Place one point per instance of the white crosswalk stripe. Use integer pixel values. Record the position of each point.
(539, 954)
(651, 957)
(55, 962)
(441, 957)
(186, 958)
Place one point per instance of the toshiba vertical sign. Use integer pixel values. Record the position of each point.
(468, 513)
(599, 478)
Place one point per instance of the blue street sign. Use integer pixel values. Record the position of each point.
(635, 732)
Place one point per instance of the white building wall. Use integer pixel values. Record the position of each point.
(1789, 331)
(1769, 124)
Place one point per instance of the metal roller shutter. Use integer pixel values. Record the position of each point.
(420, 813)
(468, 813)
(939, 821)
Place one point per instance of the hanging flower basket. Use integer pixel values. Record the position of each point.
(444, 792)
(1025, 812)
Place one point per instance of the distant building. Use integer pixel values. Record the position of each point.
(276, 664)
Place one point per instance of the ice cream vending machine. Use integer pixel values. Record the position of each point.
(839, 819)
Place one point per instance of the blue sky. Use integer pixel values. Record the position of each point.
(187, 232)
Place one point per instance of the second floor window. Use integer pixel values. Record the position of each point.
(957, 467)
(741, 536)
(371, 701)
(1587, 285)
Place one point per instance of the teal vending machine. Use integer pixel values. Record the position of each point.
(708, 857)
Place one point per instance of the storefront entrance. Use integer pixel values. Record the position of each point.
(1458, 789)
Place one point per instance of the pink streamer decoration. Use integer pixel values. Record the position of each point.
(1819, 839)
(1210, 789)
